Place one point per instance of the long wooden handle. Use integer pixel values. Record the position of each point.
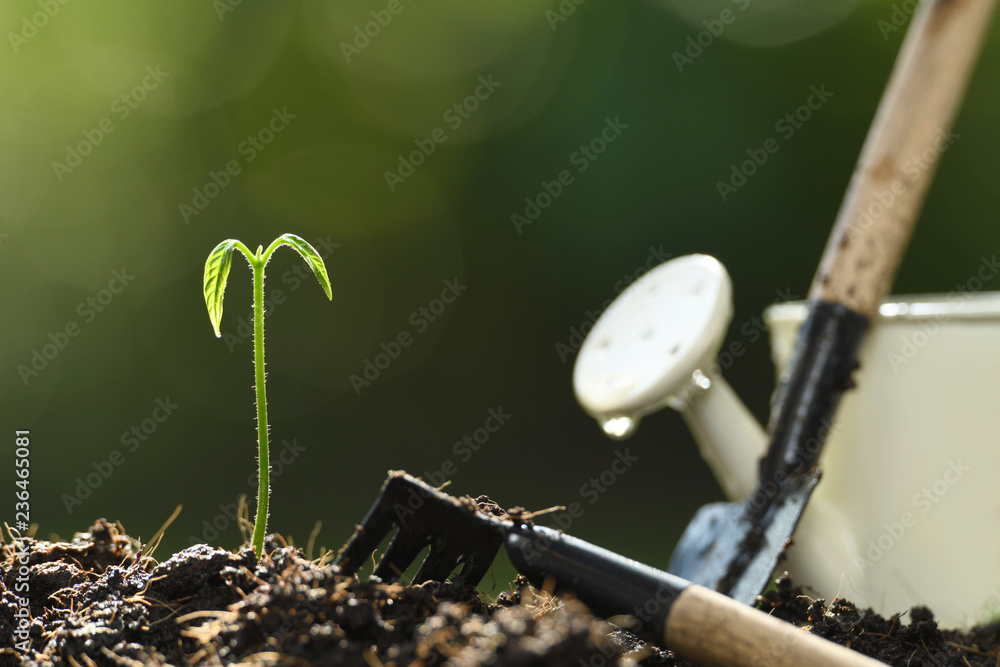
(911, 129)
(716, 631)
(699, 624)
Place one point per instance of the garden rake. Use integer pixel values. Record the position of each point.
(464, 534)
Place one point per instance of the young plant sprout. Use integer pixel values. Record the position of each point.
(216, 273)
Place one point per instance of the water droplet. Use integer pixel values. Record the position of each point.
(701, 380)
(620, 427)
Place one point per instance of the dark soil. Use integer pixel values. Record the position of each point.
(96, 601)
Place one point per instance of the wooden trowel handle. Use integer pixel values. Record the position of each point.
(911, 129)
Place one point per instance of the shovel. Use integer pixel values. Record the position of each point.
(734, 548)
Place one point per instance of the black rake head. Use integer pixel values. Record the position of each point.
(457, 532)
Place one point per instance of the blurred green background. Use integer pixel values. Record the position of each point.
(119, 121)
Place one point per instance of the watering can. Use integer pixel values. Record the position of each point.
(908, 508)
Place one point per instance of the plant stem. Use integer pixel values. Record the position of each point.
(262, 429)
(258, 261)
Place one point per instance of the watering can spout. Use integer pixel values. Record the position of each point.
(729, 437)
(656, 346)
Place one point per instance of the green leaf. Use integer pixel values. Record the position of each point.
(216, 273)
(312, 258)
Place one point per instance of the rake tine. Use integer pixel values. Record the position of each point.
(405, 547)
(456, 532)
(442, 559)
(474, 549)
(475, 567)
(376, 525)
(362, 544)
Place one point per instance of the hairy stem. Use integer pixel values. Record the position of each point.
(262, 429)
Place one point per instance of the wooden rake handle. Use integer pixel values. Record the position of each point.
(893, 173)
(699, 624)
(717, 631)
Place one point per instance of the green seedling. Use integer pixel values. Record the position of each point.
(216, 273)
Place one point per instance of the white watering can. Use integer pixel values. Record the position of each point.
(908, 510)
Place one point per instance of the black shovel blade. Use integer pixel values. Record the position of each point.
(734, 548)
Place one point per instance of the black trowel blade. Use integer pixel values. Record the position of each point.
(734, 548)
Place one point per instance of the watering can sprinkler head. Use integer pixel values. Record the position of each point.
(655, 346)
